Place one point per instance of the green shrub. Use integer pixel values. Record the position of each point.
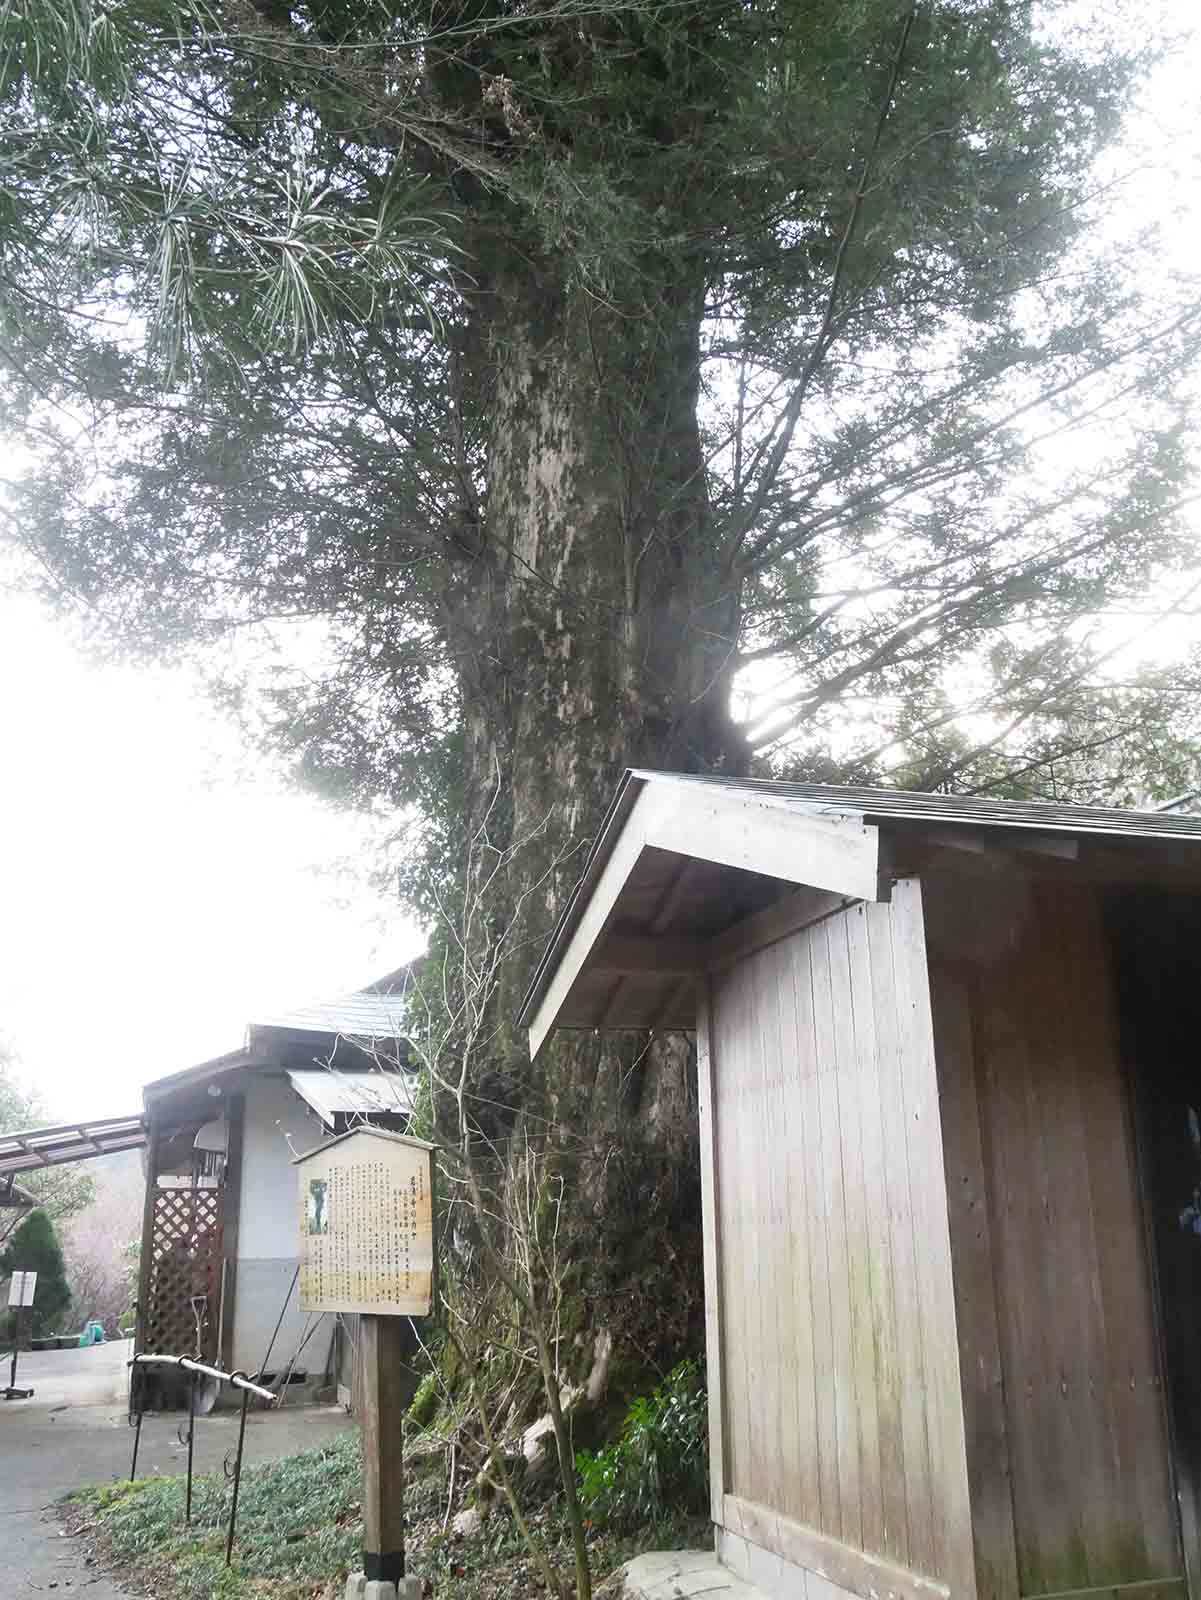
(424, 1405)
(658, 1466)
(34, 1247)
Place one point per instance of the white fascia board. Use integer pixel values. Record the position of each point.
(730, 829)
(623, 858)
(737, 829)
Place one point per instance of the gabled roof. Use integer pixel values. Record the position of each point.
(364, 1132)
(682, 861)
(366, 1017)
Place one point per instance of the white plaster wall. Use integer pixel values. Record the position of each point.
(275, 1114)
(267, 1227)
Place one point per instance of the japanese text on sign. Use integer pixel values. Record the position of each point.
(366, 1219)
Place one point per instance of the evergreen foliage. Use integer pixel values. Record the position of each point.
(658, 1466)
(266, 274)
(34, 1247)
(490, 392)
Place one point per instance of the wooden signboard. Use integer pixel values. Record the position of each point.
(367, 1225)
(22, 1288)
(366, 1205)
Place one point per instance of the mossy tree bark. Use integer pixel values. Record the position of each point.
(593, 629)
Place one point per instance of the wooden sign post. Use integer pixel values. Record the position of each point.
(367, 1248)
(21, 1291)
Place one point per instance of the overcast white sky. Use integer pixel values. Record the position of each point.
(157, 890)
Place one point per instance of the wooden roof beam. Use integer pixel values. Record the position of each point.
(978, 843)
(774, 922)
(30, 1150)
(631, 954)
(670, 903)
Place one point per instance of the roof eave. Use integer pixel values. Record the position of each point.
(741, 832)
(633, 781)
(191, 1077)
(354, 1133)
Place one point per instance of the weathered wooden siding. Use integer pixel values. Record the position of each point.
(1062, 1395)
(842, 1429)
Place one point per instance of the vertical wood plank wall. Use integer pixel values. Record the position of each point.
(842, 1419)
(1063, 1406)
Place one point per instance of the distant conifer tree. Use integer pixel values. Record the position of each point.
(34, 1247)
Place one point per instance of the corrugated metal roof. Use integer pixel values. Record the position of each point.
(978, 811)
(362, 1094)
(359, 1016)
(31, 1149)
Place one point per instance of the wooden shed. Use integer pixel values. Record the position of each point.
(949, 1061)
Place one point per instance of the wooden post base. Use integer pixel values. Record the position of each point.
(386, 1390)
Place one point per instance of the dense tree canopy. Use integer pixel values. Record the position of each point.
(508, 385)
(307, 310)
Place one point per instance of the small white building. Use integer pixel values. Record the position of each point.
(220, 1264)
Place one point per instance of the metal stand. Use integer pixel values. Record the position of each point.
(12, 1392)
(187, 1516)
(233, 1508)
(196, 1370)
(137, 1410)
(137, 1439)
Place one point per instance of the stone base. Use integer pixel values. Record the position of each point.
(683, 1575)
(361, 1587)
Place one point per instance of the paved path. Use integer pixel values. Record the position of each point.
(74, 1431)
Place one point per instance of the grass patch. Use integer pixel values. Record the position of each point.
(300, 1532)
(298, 1524)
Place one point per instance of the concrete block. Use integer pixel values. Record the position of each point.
(379, 1589)
(767, 1572)
(356, 1583)
(684, 1575)
(819, 1588)
(712, 1580)
(655, 1566)
(408, 1589)
(734, 1553)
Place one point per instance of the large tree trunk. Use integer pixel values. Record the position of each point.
(599, 632)
(594, 633)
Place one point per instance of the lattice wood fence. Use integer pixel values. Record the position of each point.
(185, 1265)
